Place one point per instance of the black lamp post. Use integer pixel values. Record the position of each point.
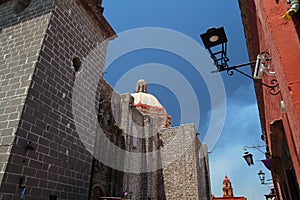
(215, 41)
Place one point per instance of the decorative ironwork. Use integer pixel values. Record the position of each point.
(248, 156)
(274, 85)
(216, 38)
(245, 148)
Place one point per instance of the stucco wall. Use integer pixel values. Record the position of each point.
(267, 31)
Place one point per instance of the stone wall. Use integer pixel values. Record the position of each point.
(21, 39)
(57, 113)
(170, 163)
(107, 180)
(44, 101)
(120, 121)
(184, 162)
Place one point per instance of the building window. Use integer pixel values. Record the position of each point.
(77, 63)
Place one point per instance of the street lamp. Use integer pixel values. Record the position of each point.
(271, 196)
(213, 38)
(262, 177)
(215, 41)
(248, 156)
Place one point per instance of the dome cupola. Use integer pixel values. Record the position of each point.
(149, 104)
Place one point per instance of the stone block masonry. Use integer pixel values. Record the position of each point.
(37, 47)
(19, 51)
(184, 162)
(51, 97)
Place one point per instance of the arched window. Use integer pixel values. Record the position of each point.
(97, 193)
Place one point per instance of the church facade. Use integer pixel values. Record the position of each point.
(173, 164)
(57, 115)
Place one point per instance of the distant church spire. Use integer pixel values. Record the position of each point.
(141, 86)
(227, 188)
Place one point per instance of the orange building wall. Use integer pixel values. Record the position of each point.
(281, 39)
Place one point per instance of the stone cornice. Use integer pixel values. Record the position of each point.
(95, 10)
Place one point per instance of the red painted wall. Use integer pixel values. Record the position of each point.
(280, 38)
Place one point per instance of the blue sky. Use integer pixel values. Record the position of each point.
(183, 89)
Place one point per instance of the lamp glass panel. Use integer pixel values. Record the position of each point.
(261, 175)
(214, 38)
(249, 158)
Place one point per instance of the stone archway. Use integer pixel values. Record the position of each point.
(97, 192)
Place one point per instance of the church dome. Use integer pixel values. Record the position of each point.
(149, 104)
(145, 100)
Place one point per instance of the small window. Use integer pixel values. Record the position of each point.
(77, 63)
(47, 127)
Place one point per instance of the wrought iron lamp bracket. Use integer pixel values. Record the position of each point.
(274, 85)
(245, 148)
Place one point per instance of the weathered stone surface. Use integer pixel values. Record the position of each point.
(37, 47)
(58, 117)
(171, 162)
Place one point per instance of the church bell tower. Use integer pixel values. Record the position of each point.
(227, 188)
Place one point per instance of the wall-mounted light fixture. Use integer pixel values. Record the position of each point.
(271, 196)
(294, 8)
(248, 156)
(262, 177)
(215, 41)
